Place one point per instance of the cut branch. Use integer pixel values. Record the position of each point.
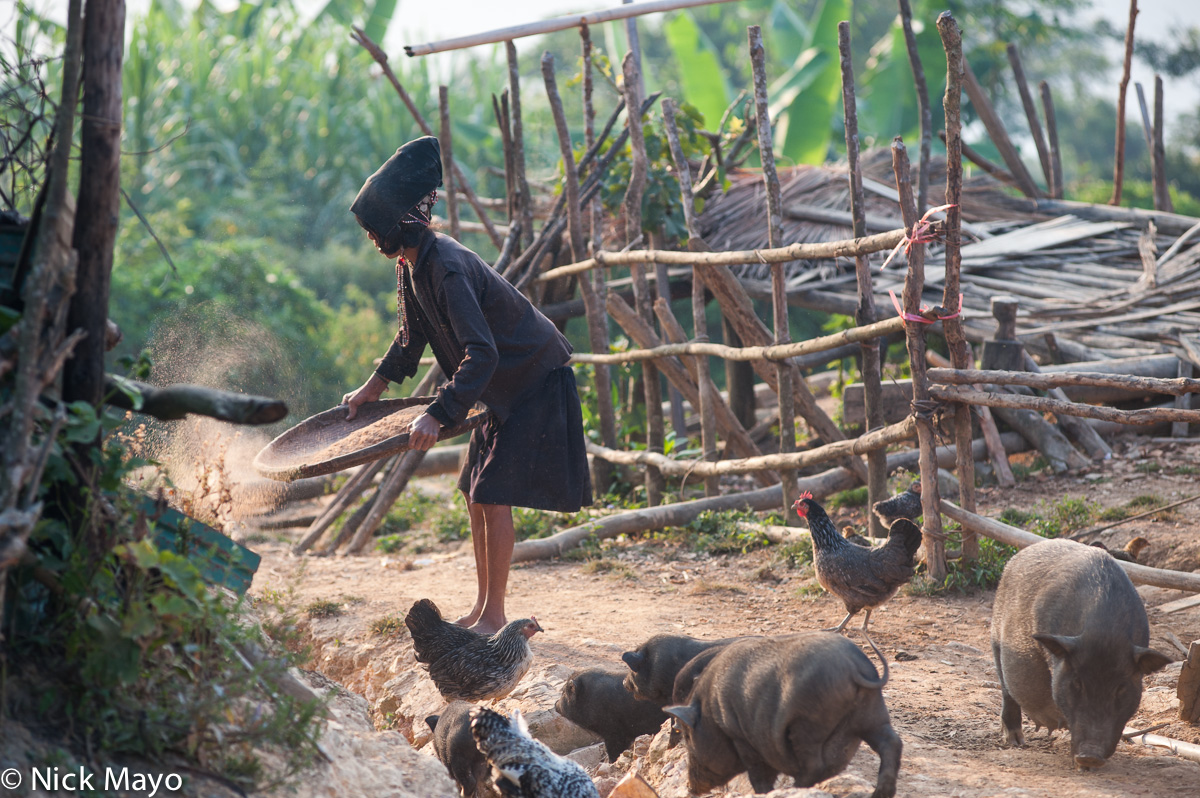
(1048, 380)
(176, 401)
(1040, 404)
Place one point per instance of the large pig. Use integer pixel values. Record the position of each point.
(798, 704)
(1070, 636)
(597, 700)
(655, 664)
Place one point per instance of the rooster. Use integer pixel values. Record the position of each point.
(902, 505)
(862, 578)
(465, 665)
(522, 767)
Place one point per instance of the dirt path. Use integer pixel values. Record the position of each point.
(944, 702)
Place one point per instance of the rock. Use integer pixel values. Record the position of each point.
(589, 758)
(847, 785)
(559, 734)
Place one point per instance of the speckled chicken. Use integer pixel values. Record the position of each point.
(862, 578)
(465, 665)
(522, 767)
(902, 505)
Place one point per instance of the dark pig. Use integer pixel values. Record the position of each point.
(655, 664)
(597, 700)
(1070, 637)
(455, 748)
(798, 704)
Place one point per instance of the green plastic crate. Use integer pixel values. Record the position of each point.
(220, 560)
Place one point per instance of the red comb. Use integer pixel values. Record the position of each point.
(805, 495)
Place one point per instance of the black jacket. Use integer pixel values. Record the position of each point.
(485, 335)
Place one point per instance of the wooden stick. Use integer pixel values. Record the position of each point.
(1162, 191)
(751, 353)
(500, 110)
(1119, 162)
(381, 58)
(641, 290)
(996, 451)
(1056, 176)
(1040, 404)
(827, 250)
(447, 159)
(1178, 747)
(914, 60)
(1097, 529)
(524, 203)
(865, 314)
(872, 441)
(783, 375)
(708, 432)
(1147, 128)
(1012, 536)
(1044, 381)
(995, 128)
(1035, 128)
(956, 340)
(389, 490)
(349, 493)
(551, 25)
(934, 540)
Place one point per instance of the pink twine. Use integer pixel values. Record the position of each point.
(920, 319)
(922, 233)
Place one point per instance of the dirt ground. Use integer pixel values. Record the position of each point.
(943, 695)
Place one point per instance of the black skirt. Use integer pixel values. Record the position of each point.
(536, 458)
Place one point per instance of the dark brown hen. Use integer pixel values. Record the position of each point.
(465, 665)
(862, 578)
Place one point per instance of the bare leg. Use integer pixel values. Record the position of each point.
(479, 544)
(500, 538)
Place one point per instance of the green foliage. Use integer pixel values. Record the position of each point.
(1147, 501)
(1135, 193)
(855, 497)
(965, 576)
(1053, 520)
(451, 522)
(727, 532)
(323, 608)
(409, 511)
(797, 554)
(1023, 471)
(387, 626)
(703, 80)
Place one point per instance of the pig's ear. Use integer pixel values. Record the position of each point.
(432, 722)
(687, 715)
(1147, 660)
(1057, 646)
(635, 660)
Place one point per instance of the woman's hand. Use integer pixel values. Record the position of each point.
(423, 432)
(370, 391)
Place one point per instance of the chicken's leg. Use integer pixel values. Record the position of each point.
(841, 625)
(866, 622)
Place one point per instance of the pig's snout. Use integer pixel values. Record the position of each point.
(1086, 761)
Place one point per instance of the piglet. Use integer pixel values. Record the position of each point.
(455, 748)
(655, 664)
(798, 704)
(1070, 637)
(597, 700)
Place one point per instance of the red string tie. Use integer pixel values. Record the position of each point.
(922, 233)
(927, 314)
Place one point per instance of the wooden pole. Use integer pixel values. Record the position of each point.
(348, 494)
(1044, 381)
(783, 375)
(914, 60)
(596, 319)
(864, 315)
(381, 58)
(1035, 128)
(956, 339)
(1162, 192)
(1119, 156)
(447, 159)
(500, 109)
(555, 24)
(935, 550)
(753, 354)
(641, 290)
(1040, 404)
(1078, 430)
(995, 128)
(524, 202)
(708, 422)
(99, 200)
(1056, 176)
(993, 169)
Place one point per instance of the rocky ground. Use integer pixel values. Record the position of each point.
(943, 695)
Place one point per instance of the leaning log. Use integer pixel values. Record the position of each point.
(175, 401)
(1012, 536)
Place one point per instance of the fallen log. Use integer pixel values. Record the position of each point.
(872, 441)
(1041, 404)
(1012, 536)
(175, 401)
(1046, 380)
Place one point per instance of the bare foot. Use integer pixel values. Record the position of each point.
(470, 619)
(485, 627)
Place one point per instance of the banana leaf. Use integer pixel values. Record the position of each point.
(700, 72)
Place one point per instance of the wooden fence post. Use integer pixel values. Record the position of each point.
(447, 159)
(783, 375)
(914, 59)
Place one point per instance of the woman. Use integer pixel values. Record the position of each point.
(496, 348)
